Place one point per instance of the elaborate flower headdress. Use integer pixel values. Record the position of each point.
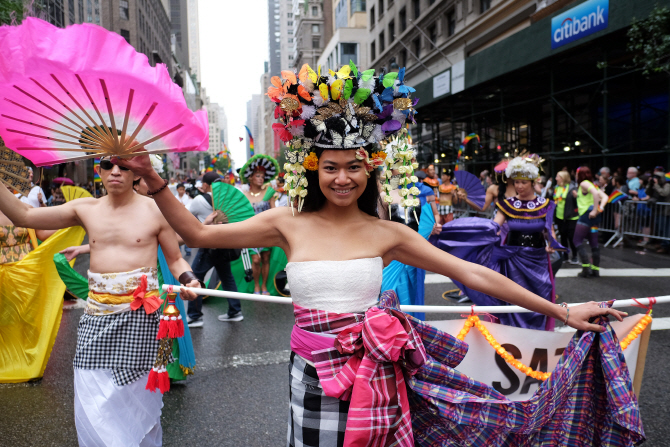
(347, 109)
(259, 162)
(524, 167)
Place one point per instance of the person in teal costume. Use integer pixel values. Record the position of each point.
(408, 281)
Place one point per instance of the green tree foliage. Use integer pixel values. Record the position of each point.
(10, 9)
(649, 39)
(222, 164)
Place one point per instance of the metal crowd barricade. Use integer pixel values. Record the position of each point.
(462, 209)
(611, 223)
(639, 219)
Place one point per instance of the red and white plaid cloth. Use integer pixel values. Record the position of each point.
(372, 353)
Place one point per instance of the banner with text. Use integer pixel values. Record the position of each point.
(539, 350)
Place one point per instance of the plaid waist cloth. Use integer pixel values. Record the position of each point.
(384, 360)
(124, 343)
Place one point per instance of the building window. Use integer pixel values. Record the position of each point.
(373, 51)
(316, 44)
(289, 15)
(315, 29)
(290, 23)
(126, 35)
(372, 17)
(416, 7)
(402, 17)
(416, 43)
(381, 8)
(382, 42)
(349, 52)
(391, 31)
(432, 34)
(451, 23)
(290, 40)
(403, 58)
(315, 11)
(484, 5)
(123, 10)
(357, 6)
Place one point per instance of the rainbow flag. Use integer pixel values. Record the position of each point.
(96, 177)
(251, 141)
(464, 143)
(616, 196)
(667, 176)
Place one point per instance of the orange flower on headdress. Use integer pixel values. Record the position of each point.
(311, 162)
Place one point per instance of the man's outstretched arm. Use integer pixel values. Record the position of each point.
(49, 218)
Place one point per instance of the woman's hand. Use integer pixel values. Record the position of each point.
(437, 228)
(580, 315)
(549, 249)
(593, 214)
(189, 295)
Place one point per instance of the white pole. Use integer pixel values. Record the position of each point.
(409, 308)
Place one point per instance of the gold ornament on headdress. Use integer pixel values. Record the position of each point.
(289, 104)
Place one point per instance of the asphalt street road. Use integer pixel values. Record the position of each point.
(238, 396)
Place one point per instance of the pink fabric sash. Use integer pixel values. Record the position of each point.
(304, 343)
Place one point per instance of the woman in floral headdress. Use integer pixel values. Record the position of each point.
(361, 372)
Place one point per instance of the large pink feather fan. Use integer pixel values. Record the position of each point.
(82, 92)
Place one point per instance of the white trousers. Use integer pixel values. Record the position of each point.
(107, 415)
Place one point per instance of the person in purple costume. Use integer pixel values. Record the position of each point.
(524, 254)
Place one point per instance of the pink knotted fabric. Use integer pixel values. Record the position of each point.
(367, 366)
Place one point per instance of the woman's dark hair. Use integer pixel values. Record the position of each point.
(584, 173)
(315, 199)
(501, 181)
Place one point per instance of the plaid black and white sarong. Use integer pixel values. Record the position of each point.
(124, 343)
(315, 420)
(444, 210)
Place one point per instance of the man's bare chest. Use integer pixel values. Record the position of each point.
(124, 227)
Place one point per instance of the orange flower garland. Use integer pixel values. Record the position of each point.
(473, 320)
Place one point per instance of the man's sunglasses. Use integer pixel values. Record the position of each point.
(107, 165)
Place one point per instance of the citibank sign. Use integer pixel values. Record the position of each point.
(580, 21)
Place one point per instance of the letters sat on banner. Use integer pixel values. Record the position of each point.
(580, 21)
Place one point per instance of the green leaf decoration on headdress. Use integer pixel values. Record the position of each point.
(368, 74)
(354, 70)
(361, 95)
(389, 79)
(348, 88)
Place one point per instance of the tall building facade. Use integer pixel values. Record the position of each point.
(253, 114)
(348, 35)
(214, 114)
(286, 34)
(504, 70)
(308, 15)
(194, 39)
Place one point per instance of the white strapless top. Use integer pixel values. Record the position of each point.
(336, 286)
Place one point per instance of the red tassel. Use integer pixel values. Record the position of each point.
(180, 327)
(162, 328)
(164, 381)
(175, 327)
(152, 381)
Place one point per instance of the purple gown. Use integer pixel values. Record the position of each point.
(522, 258)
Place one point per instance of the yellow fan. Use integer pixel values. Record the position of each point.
(74, 192)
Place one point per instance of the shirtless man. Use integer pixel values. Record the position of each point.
(116, 342)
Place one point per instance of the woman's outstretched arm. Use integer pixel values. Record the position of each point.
(412, 249)
(259, 231)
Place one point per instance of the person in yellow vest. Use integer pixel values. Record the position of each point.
(590, 203)
(566, 214)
